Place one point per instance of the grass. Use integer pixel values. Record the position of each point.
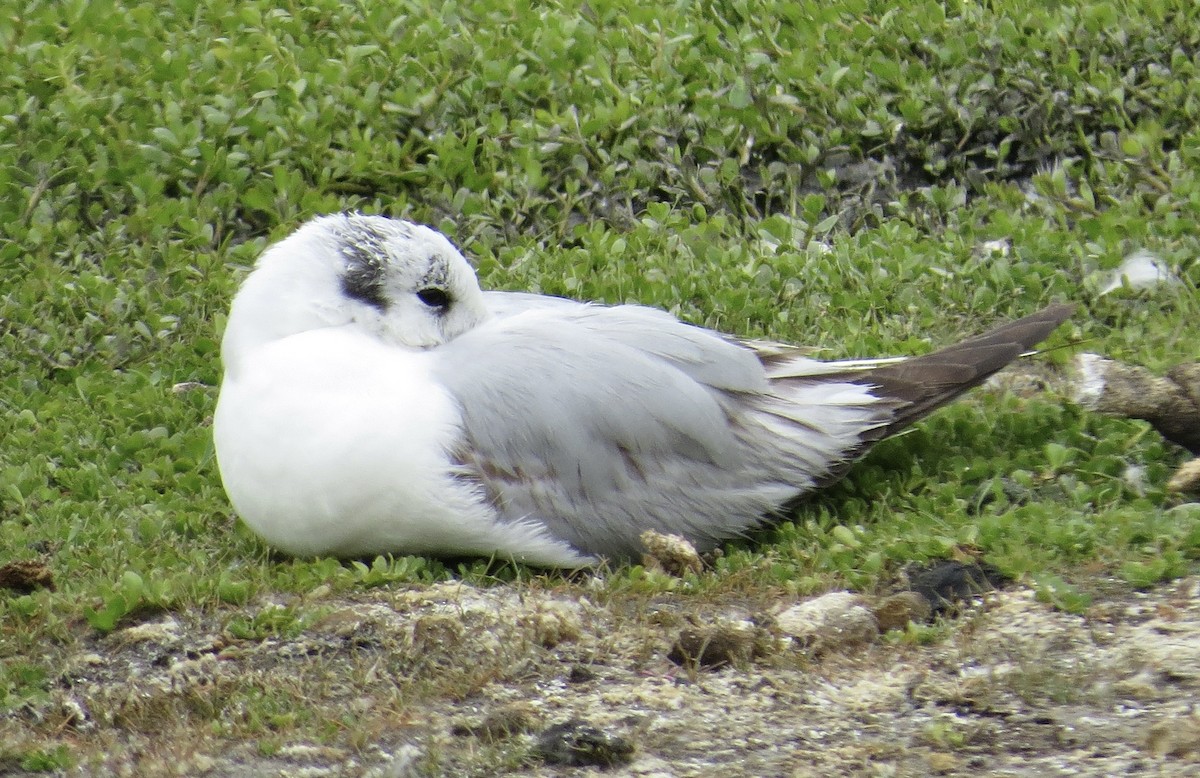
(824, 173)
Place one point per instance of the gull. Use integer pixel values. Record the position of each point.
(376, 401)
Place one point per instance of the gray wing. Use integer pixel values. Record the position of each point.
(703, 355)
(602, 422)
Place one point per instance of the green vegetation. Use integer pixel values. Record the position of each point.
(823, 173)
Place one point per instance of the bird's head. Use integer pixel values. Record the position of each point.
(402, 282)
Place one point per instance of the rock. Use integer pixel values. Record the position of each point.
(26, 576)
(1186, 479)
(1011, 690)
(437, 632)
(553, 622)
(672, 554)
(575, 743)
(502, 722)
(319, 593)
(947, 582)
(941, 762)
(201, 764)
(715, 645)
(831, 621)
(1145, 685)
(162, 632)
(581, 674)
(343, 623)
(1176, 735)
(896, 611)
(403, 763)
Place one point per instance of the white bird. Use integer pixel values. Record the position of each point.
(375, 400)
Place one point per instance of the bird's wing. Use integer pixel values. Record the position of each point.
(704, 355)
(602, 422)
(605, 421)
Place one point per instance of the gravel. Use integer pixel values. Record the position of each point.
(455, 680)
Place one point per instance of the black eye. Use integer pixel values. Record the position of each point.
(434, 297)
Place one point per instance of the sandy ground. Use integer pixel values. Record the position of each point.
(454, 680)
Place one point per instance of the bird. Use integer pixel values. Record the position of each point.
(375, 400)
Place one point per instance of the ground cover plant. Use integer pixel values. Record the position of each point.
(864, 177)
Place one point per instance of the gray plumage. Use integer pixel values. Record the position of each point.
(375, 400)
(606, 421)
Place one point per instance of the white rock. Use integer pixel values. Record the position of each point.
(165, 631)
(829, 621)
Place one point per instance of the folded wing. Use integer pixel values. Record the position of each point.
(602, 422)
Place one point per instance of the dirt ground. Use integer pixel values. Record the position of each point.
(455, 680)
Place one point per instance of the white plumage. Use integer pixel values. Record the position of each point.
(375, 400)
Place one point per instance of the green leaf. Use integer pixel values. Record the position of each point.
(1063, 596)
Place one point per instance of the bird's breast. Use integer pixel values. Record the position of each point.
(328, 440)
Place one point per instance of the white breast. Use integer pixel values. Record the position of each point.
(330, 442)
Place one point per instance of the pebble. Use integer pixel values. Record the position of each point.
(898, 610)
(165, 631)
(1176, 735)
(575, 743)
(553, 622)
(714, 645)
(947, 582)
(831, 621)
(671, 554)
(1186, 479)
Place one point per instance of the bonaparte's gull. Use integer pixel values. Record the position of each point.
(375, 400)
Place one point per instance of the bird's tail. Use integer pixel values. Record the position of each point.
(921, 385)
(839, 409)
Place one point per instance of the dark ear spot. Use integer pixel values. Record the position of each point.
(363, 280)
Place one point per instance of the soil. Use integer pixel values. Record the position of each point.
(573, 681)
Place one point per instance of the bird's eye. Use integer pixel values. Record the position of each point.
(434, 297)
